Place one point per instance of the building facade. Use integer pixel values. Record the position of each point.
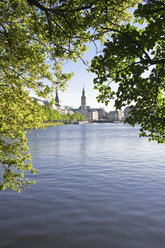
(115, 116)
(86, 111)
(126, 112)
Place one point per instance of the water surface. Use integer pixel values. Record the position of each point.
(98, 186)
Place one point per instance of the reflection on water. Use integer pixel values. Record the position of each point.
(97, 186)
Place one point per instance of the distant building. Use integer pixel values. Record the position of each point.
(57, 101)
(126, 112)
(121, 116)
(86, 111)
(115, 116)
(101, 113)
(83, 101)
(94, 115)
(57, 105)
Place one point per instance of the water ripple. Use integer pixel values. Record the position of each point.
(97, 186)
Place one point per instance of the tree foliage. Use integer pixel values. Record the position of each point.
(134, 58)
(32, 34)
(54, 115)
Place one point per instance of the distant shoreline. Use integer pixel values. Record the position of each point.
(105, 121)
(51, 124)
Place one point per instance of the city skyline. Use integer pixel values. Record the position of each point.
(82, 78)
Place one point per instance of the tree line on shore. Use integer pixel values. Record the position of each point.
(51, 115)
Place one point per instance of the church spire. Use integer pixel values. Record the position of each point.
(83, 92)
(57, 102)
(83, 100)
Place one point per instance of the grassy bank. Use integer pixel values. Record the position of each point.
(51, 124)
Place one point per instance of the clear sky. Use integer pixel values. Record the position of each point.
(72, 95)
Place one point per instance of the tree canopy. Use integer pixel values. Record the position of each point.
(134, 58)
(32, 34)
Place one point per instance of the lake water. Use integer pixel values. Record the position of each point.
(98, 186)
